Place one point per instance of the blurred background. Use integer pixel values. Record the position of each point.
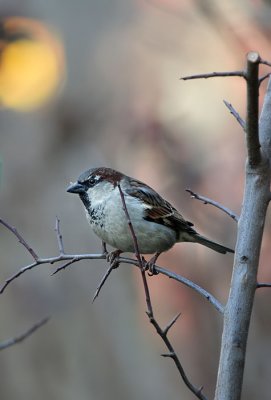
(97, 83)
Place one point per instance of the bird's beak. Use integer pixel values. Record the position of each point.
(76, 188)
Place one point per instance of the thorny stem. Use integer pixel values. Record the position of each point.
(72, 258)
(161, 332)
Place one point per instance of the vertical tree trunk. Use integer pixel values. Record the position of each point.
(244, 278)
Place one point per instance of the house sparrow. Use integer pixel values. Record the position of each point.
(156, 223)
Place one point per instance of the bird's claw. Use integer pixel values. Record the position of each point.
(150, 265)
(113, 258)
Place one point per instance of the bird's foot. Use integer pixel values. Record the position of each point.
(113, 258)
(150, 265)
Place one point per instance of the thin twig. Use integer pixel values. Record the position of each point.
(192, 285)
(171, 323)
(78, 257)
(197, 391)
(136, 248)
(161, 332)
(72, 258)
(206, 200)
(261, 61)
(263, 285)
(59, 237)
(262, 78)
(51, 260)
(213, 75)
(235, 114)
(252, 117)
(137, 253)
(67, 264)
(20, 238)
(23, 336)
(104, 278)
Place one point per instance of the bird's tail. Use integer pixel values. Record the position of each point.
(212, 245)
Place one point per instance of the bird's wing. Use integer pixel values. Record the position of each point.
(159, 210)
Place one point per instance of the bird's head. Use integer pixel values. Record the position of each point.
(95, 184)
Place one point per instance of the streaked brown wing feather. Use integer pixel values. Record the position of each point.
(161, 211)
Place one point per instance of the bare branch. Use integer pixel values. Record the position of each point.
(20, 238)
(202, 292)
(263, 285)
(51, 260)
(23, 336)
(162, 333)
(171, 323)
(213, 75)
(261, 61)
(67, 264)
(262, 78)
(17, 274)
(167, 355)
(59, 237)
(235, 114)
(197, 391)
(78, 257)
(72, 258)
(137, 253)
(252, 117)
(256, 197)
(206, 200)
(104, 278)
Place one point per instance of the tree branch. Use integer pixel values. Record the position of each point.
(20, 238)
(161, 332)
(23, 336)
(206, 200)
(252, 117)
(263, 285)
(104, 278)
(137, 253)
(192, 285)
(59, 237)
(72, 258)
(264, 62)
(213, 75)
(235, 114)
(264, 77)
(249, 236)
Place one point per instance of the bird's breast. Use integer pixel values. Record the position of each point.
(109, 221)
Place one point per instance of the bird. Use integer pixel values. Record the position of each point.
(157, 225)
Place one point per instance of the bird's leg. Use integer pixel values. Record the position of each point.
(112, 258)
(150, 265)
(104, 249)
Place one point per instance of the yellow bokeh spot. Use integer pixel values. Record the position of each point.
(31, 67)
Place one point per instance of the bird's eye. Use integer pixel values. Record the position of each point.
(91, 181)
